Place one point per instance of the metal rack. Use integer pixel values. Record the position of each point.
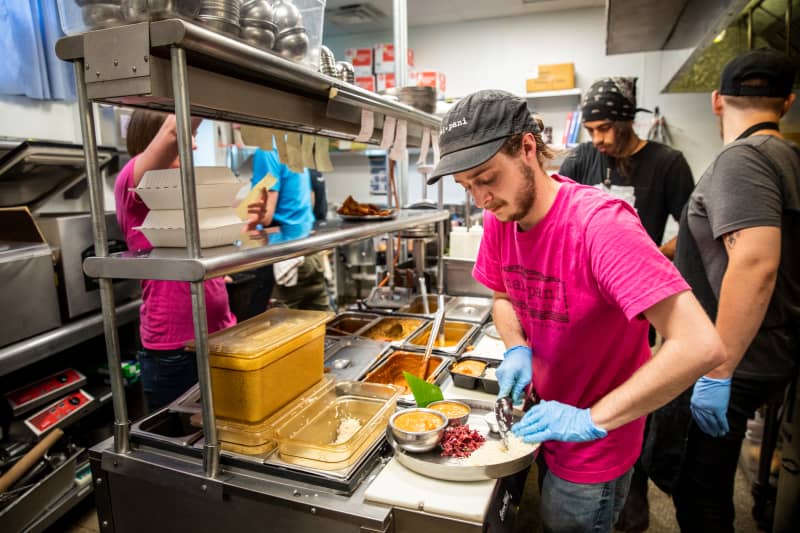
(176, 65)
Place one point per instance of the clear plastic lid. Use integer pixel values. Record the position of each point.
(264, 333)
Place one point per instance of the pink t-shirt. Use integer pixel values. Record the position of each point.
(166, 312)
(579, 281)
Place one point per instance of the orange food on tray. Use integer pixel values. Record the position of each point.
(417, 422)
(352, 208)
(469, 368)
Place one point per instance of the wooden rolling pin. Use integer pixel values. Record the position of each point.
(29, 459)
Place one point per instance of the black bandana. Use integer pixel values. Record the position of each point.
(610, 99)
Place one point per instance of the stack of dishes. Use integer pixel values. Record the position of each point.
(327, 62)
(345, 71)
(222, 15)
(257, 23)
(292, 40)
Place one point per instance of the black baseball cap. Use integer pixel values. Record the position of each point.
(475, 129)
(775, 68)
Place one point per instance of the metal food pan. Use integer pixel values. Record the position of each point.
(469, 309)
(467, 381)
(394, 329)
(350, 323)
(456, 334)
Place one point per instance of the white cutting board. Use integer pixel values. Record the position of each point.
(398, 486)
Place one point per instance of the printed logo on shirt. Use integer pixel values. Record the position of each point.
(536, 295)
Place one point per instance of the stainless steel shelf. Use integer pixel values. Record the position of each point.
(59, 508)
(176, 264)
(227, 80)
(23, 353)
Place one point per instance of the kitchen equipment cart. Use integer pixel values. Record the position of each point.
(177, 65)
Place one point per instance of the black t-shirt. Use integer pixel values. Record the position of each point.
(662, 180)
(755, 182)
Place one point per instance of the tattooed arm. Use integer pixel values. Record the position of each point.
(747, 285)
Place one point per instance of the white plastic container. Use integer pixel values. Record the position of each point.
(216, 187)
(458, 242)
(219, 226)
(474, 236)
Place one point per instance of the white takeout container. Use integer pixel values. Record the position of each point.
(219, 226)
(216, 187)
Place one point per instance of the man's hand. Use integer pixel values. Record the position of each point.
(557, 421)
(709, 405)
(257, 212)
(516, 371)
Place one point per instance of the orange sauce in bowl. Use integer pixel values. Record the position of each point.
(450, 410)
(418, 421)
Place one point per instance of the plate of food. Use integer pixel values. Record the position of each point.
(356, 211)
(471, 451)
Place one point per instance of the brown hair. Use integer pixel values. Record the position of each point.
(513, 143)
(142, 128)
(623, 133)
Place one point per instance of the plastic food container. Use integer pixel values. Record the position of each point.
(78, 16)
(313, 432)
(467, 381)
(260, 439)
(261, 364)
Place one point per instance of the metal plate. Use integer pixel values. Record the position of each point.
(432, 464)
(361, 218)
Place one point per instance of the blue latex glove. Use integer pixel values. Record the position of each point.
(710, 405)
(516, 371)
(557, 421)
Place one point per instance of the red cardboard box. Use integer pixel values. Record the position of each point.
(361, 59)
(366, 82)
(385, 81)
(384, 58)
(430, 78)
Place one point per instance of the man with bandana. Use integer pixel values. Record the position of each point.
(655, 178)
(576, 281)
(651, 176)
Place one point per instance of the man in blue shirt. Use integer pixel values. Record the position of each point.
(289, 205)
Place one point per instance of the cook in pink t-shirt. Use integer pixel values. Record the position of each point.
(166, 312)
(579, 281)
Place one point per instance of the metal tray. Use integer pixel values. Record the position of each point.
(353, 357)
(361, 218)
(469, 309)
(464, 331)
(432, 464)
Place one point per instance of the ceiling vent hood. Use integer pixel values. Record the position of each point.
(718, 30)
(354, 14)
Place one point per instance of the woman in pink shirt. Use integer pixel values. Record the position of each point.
(166, 313)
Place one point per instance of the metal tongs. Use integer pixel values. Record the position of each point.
(435, 328)
(505, 418)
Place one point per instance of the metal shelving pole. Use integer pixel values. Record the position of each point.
(189, 195)
(441, 226)
(121, 422)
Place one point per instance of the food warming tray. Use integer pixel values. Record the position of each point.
(394, 329)
(456, 335)
(353, 357)
(466, 381)
(350, 323)
(469, 309)
(415, 307)
(432, 464)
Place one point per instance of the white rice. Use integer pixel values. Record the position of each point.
(494, 452)
(490, 373)
(347, 428)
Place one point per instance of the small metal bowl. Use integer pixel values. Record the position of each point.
(286, 15)
(292, 43)
(491, 420)
(261, 38)
(256, 9)
(417, 441)
(457, 421)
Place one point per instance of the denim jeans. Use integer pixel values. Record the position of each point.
(166, 374)
(582, 507)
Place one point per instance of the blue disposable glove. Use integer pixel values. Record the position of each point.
(710, 405)
(516, 371)
(557, 421)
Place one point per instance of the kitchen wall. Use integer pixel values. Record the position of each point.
(22, 117)
(499, 53)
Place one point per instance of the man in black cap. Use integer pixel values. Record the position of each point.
(655, 177)
(576, 279)
(739, 248)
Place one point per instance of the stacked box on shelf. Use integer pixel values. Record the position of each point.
(164, 225)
